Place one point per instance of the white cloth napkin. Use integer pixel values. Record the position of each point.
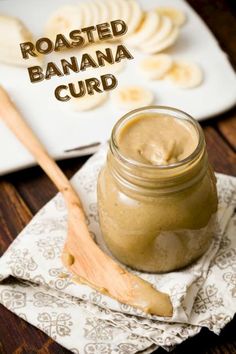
(35, 285)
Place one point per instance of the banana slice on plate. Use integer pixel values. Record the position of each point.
(95, 13)
(156, 66)
(114, 13)
(114, 9)
(185, 74)
(165, 28)
(131, 97)
(64, 20)
(131, 13)
(148, 27)
(13, 32)
(102, 12)
(124, 10)
(88, 102)
(177, 16)
(164, 44)
(135, 16)
(90, 13)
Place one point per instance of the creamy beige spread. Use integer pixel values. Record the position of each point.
(157, 230)
(157, 139)
(143, 296)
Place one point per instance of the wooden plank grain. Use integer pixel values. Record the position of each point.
(18, 336)
(14, 214)
(219, 16)
(227, 128)
(221, 156)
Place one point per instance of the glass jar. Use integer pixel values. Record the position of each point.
(157, 218)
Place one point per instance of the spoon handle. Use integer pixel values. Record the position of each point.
(15, 122)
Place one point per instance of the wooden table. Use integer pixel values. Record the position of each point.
(23, 193)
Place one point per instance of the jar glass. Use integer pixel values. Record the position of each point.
(157, 218)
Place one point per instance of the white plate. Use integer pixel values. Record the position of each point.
(60, 128)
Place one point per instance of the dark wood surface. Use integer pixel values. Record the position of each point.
(23, 193)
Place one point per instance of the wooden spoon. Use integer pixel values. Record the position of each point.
(81, 255)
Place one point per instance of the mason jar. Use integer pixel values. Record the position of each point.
(157, 218)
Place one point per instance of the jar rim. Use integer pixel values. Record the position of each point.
(179, 114)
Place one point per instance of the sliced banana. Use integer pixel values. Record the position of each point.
(89, 102)
(147, 29)
(131, 97)
(13, 32)
(165, 28)
(90, 13)
(185, 74)
(104, 11)
(135, 16)
(95, 12)
(177, 16)
(114, 9)
(64, 20)
(164, 44)
(124, 9)
(156, 66)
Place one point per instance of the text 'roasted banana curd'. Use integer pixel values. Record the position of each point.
(90, 86)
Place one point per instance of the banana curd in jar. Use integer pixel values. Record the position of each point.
(157, 198)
